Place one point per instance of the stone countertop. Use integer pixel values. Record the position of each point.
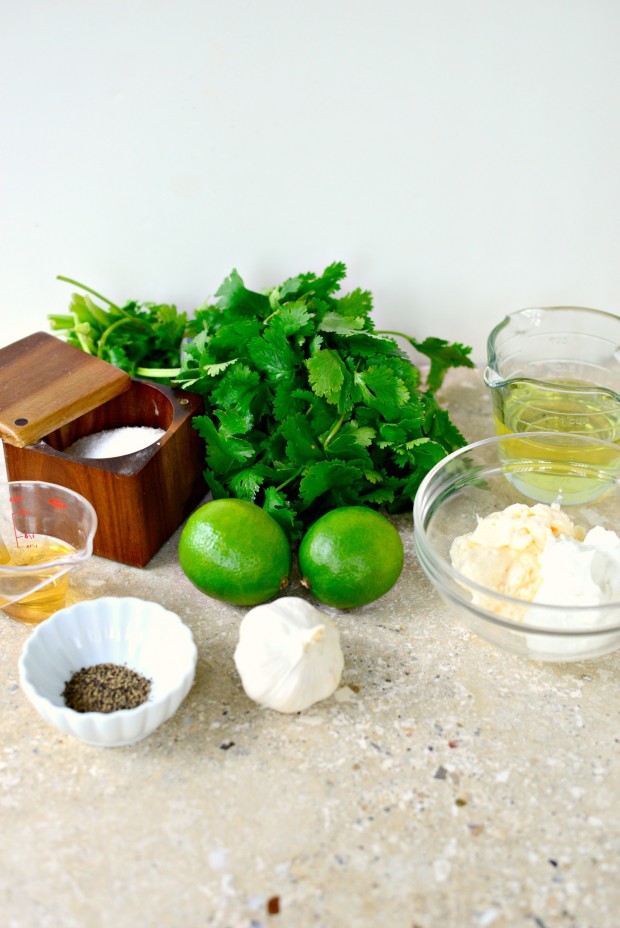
(445, 785)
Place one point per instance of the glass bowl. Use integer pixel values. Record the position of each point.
(142, 635)
(580, 475)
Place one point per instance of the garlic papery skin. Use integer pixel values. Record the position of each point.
(288, 655)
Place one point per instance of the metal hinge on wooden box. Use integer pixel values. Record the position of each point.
(51, 394)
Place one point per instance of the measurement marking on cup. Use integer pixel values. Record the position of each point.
(23, 536)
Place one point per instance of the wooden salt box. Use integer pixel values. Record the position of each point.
(51, 394)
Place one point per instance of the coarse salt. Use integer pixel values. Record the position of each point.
(112, 443)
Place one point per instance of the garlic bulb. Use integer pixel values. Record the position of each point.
(288, 655)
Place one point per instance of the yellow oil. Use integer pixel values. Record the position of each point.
(568, 407)
(38, 549)
(563, 406)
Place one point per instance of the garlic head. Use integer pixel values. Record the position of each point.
(288, 655)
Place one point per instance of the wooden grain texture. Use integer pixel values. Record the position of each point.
(45, 383)
(142, 497)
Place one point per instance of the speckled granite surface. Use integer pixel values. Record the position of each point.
(445, 785)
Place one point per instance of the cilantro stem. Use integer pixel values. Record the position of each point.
(76, 283)
(158, 371)
(407, 338)
(334, 430)
(84, 343)
(126, 319)
(289, 480)
(271, 315)
(109, 331)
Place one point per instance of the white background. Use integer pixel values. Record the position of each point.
(461, 156)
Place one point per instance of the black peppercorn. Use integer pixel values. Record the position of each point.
(106, 688)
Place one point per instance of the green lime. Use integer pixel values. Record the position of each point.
(351, 556)
(233, 550)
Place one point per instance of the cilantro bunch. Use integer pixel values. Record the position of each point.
(307, 406)
(140, 338)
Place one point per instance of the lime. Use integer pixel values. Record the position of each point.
(351, 556)
(233, 550)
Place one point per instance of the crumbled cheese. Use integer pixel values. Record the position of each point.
(504, 551)
(537, 555)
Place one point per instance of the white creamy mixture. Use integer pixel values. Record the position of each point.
(583, 573)
(537, 554)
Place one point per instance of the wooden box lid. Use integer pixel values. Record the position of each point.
(45, 383)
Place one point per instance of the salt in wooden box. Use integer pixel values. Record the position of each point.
(51, 394)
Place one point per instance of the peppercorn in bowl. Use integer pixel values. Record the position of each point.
(109, 671)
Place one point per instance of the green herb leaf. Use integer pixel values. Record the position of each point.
(443, 355)
(235, 299)
(382, 388)
(326, 374)
(283, 512)
(327, 476)
(223, 451)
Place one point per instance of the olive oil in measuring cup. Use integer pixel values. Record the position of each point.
(562, 406)
(557, 370)
(571, 409)
(40, 552)
(45, 531)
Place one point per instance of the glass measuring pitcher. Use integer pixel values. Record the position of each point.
(556, 369)
(45, 531)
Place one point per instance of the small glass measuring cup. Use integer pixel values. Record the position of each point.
(45, 531)
(556, 369)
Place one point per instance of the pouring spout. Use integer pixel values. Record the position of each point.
(492, 379)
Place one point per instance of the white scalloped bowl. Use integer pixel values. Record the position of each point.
(122, 630)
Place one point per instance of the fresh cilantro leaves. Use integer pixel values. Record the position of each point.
(307, 406)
